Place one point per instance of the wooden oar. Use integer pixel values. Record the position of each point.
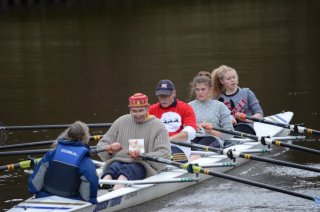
(267, 141)
(291, 127)
(54, 126)
(42, 151)
(40, 143)
(197, 169)
(23, 165)
(232, 154)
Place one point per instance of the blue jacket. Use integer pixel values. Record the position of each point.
(66, 171)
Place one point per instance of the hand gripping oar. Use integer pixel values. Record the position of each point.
(268, 141)
(232, 154)
(23, 165)
(40, 143)
(291, 127)
(197, 169)
(54, 126)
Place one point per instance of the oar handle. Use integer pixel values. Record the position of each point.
(95, 150)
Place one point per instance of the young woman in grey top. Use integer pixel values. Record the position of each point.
(238, 100)
(209, 113)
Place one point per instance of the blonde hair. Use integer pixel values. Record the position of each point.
(217, 75)
(196, 80)
(78, 131)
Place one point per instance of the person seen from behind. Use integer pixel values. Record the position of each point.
(67, 170)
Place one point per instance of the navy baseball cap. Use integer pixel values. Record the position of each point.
(165, 87)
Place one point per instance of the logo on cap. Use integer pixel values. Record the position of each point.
(164, 87)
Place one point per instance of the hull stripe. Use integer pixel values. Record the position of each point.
(42, 207)
(281, 119)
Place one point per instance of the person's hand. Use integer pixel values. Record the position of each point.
(240, 116)
(207, 127)
(234, 121)
(134, 154)
(114, 147)
(200, 128)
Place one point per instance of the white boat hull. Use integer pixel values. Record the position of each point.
(137, 194)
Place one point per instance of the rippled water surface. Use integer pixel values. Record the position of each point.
(81, 60)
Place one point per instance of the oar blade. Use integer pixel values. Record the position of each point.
(317, 201)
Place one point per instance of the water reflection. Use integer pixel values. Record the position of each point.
(81, 61)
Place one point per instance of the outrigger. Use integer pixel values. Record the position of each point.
(179, 176)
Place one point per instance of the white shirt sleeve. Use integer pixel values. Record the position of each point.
(191, 132)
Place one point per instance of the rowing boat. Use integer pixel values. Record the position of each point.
(166, 182)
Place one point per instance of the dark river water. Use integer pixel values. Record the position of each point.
(81, 60)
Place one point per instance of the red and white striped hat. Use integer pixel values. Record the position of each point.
(138, 100)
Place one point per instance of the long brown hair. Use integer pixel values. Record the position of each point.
(78, 131)
(196, 80)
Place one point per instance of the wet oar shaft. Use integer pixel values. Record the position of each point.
(292, 146)
(205, 148)
(232, 154)
(23, 165)
(236, 133)
(53, 126)
(40, 143)
(278, 162)
(93, 150)
(311, 131)
(24, 152)
(292, 128)
(267, 141)
(197, 169)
